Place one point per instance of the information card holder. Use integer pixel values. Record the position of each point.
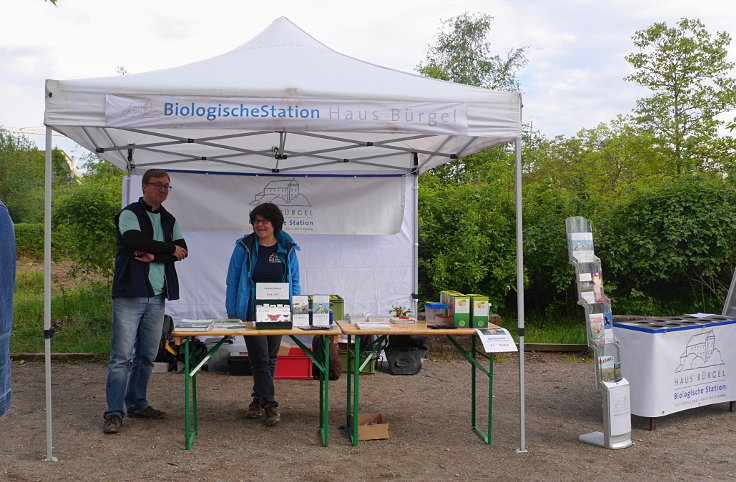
(599, 327)
(273, 306)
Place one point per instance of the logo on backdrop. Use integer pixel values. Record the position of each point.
(286, 193)
(701, 373)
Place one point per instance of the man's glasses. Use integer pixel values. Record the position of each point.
(160, 187)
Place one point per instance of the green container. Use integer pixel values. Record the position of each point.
(337, 305)
(459, 309)
(480, 308)
(369, 369)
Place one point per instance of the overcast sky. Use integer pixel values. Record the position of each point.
(575, 48)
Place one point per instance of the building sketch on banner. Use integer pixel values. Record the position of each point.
(700, 376)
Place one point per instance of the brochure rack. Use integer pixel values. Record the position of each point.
(599, 327)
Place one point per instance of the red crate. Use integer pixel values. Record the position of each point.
(294, 366)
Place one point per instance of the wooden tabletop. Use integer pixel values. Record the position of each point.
(250, 330)
(417, 328)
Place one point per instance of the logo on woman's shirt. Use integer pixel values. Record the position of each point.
(274, 258)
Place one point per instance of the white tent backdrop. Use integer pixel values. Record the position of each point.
(284, 103)
(370, 271)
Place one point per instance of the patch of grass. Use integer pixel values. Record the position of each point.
(577, 357)
(81, 317)
(547, 329)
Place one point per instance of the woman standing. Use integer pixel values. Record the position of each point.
(268, 255)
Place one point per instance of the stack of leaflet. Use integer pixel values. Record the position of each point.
(192, 325)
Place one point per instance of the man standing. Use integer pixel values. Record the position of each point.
(149, 241)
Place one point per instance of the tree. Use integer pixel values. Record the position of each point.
(21, 178)
(462, 54)
(686, 68)
(83, 217)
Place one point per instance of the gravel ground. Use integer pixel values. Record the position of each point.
(428, 417)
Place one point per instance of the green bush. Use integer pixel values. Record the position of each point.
(29, 239)
(671, 243)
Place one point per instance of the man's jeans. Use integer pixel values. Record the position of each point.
(7, 283)
(136, 333)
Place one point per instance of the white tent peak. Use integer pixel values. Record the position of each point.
(282, 31)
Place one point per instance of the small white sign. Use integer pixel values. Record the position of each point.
(272, 291)
(496, 340)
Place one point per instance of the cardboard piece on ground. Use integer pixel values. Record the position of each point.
(284, 348)
(372, 426)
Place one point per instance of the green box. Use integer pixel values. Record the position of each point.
(445, 298)
(368, 369)
(480, 309)
(337, 305)
(459, 309)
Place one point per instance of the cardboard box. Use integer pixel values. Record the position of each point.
(372, 426)
(284, 348)
(480, 309)
(459, 309)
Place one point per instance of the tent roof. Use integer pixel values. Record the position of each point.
(368, 117)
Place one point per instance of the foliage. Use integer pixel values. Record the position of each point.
(21, 178)
(462, 54)
(399, 311)
(80, 316)
(686, 68)
(672, 240)
(84, 217)
(29, 239)
(466, 239)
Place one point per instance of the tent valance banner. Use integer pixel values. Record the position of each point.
(285, 114)
(362, 205)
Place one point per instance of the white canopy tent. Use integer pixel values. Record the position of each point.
(283, 104)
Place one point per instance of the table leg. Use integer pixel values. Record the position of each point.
(324, 383)
(471, 358)
(190, 391)
(355, 363)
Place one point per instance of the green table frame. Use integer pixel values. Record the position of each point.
(354, 361)
(191, 421)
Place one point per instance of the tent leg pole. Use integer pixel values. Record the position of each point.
(520, 294)
(415, 258)
(47, 297)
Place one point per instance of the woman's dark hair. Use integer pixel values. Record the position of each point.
(271, 212)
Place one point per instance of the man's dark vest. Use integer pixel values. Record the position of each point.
(131, 276)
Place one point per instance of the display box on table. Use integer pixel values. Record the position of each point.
(480, 309)
(273, 306)
(459, 309)
(321, 310)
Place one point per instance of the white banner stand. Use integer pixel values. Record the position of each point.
(599, 327)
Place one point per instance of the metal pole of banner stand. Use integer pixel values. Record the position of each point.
(520, 295)
(47, 331)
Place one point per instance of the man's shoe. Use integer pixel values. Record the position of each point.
(272, 416)
(148, 412)
(112, 424)
(254, 409)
